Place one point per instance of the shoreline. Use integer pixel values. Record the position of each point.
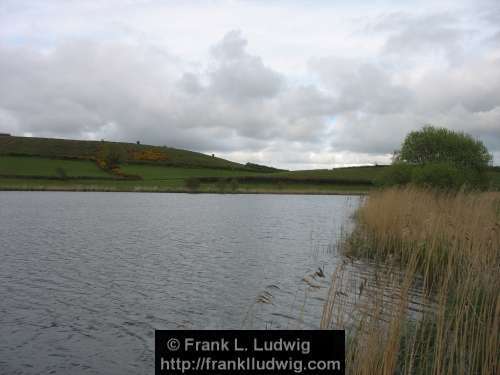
(437, 241)
(96, 189)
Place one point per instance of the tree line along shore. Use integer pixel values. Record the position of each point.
(68, 165)
(56, 164)
(434, 228)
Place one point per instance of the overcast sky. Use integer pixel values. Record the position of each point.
(294, 84)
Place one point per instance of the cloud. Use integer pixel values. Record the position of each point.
(414, 35)
(129, 92)
(361, 86)
(330, 85)
(240, 76)
(377, 101)
(231, 47)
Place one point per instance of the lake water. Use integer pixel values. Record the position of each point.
(86, 278)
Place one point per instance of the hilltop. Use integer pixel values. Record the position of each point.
(129, 152)
(28, 163)
(58, 164)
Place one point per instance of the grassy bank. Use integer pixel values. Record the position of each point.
(172, 186)
(20, 166)
(447, 245)
(72, 165)
(128, 152)
(58, 164)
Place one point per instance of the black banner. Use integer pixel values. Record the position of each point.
(249, 352)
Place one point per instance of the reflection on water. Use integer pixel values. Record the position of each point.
(361, 289)
(86, 278)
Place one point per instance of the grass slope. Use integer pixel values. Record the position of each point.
(32, 166)
(368, 172)
(34, 162)
(152, 172)
(165, 169)
(172, 185)
(131, 152)
(353, 174)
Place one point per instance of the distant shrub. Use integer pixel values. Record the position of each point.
(109, 157)
(397, 174)
(440, 158)
(192, 183)
(445, 176)
(476, 179)
(438, 175)
(152, 154)
(449, 177)
(61, 173)
(102, 164)
(113, 158)
(440, 145)
(221, 184)
(234, 184)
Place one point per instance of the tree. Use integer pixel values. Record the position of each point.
(440, 145)
(110, 156)
(439, 158)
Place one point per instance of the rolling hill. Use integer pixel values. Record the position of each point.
(53, 164)
(129, 152)
(59, 164)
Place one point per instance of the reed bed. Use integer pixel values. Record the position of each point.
(446, 245)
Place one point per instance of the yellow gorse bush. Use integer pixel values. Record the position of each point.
(149, 155)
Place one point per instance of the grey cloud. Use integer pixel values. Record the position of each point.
(9, 123)
(307, 101)
(190, 84)
(483, 125)
(424, 37)
(352, 110)
(489, 11)
(79, 87)
(245, 79)
(130, 92)
(361, 86)
(239, 75)
(232, 46)
(494, 39)
(375, 108)
(410, 36)
(374, 134)
(475, 86)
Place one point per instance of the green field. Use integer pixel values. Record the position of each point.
(37, 164)
(150, 172)
(174, 185)
(33, 173)
(33, 166)
(63, 148)
(370, 173)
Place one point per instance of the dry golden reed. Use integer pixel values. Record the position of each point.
(448, 246)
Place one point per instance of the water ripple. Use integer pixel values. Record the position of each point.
(86, 278)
